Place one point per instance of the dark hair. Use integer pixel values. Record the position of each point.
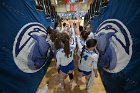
(91, 43)
(49, 30)
(84, 34)
(54, 35)
(61, 39)
(81, 28)
(57, 41)
(64, 24)
(65, 40)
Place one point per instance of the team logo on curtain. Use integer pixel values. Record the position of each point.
(24, 44)
(114, 44)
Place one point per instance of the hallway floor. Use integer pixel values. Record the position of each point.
(52, 79)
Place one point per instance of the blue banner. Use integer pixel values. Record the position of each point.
(117, 31)
(23, 58)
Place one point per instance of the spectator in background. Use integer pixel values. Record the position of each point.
(89, 30)
(57, 26)
(64, 27)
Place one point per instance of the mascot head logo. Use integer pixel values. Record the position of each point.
(23, 44)
(114, 44)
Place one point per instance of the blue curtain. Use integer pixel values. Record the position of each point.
(118, 12)
(15, 15)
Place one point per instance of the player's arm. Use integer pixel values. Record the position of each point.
(80, 46)
(73, 43)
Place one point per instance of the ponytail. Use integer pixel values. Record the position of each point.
(65, 40)
(84, 34)
(55, 37)
(60, 39)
